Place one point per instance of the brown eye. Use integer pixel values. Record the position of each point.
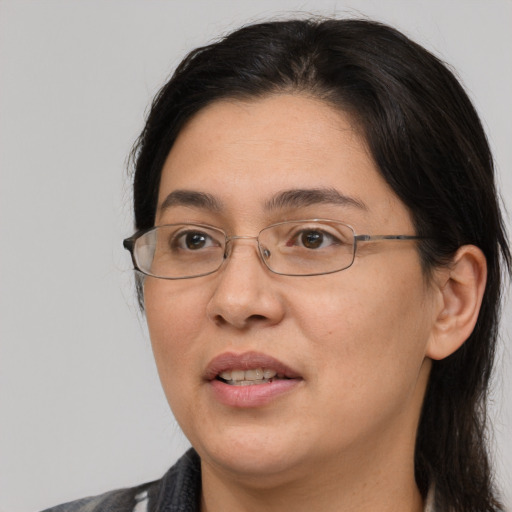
(195, 241)
(312, 239)
(192, 241)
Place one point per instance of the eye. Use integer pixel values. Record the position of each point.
(193, 241)
(313, 239)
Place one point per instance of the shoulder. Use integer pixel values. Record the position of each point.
(179, 489)
(121, 500)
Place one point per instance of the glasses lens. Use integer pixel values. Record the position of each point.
(307, 247)
(178, 251)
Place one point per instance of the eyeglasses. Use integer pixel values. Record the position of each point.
(292, 248)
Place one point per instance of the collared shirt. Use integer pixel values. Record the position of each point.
(178, 491)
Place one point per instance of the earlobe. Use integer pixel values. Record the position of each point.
(461, 287)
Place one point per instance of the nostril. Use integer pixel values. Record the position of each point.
(257, 318)
(220, 320)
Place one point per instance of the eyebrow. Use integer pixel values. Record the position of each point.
(300, 198)
(192, 198)
(294, 198)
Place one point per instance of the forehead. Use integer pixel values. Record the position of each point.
(289, 128)
(245, 152)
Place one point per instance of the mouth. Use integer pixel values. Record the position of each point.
(248, 369)
(250, 379)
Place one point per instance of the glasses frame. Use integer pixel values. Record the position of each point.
(129, 245)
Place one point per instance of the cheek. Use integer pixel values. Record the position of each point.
(371, 333)
(175, 318)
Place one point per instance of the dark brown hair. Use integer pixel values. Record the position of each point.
(429, 145)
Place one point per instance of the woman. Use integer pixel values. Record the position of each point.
(318, 251)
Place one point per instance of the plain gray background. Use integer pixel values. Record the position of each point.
(81, 410)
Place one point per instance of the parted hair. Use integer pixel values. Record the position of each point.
(427, 142)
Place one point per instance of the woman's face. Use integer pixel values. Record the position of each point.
(352, 343)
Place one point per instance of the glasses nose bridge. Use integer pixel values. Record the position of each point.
(228, 249)
(241, 237)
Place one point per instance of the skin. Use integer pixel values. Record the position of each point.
(343, 439)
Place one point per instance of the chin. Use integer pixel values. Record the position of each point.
(258, 457)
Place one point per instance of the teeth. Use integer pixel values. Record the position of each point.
(248, 375)
(254, 374)
(237, 375)
(269, 374)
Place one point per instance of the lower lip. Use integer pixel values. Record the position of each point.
(256, 395)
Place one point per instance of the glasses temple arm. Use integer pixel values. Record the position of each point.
(371, 238)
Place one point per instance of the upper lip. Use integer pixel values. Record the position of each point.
(246, 361)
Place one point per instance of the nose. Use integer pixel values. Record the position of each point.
(245, 293)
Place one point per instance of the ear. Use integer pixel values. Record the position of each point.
(461, 287)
